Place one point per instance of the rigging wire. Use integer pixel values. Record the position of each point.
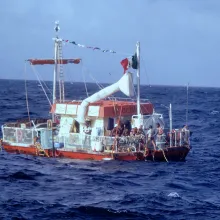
(84, 79)
(41, 78)
(36, 74)
(100, 86)
(69, 77)
(97, 83)
(145, 69)
(187, 102)
(26, 92)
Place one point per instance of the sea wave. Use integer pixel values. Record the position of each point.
(52, 188)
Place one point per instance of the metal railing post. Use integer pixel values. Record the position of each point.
(175, 138)
(16, 134)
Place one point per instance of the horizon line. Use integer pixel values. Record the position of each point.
(194, 86)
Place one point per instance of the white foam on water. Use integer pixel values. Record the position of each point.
(106, 158)
(174, 194)
(214, 112)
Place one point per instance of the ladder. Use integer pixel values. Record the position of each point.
(60, 71)
(40, 151)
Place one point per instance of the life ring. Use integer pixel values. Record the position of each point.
(20, 135)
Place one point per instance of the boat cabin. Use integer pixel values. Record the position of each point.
(103, 115)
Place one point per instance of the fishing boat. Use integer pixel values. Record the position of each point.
(99, 127)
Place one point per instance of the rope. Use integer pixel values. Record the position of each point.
(97, 83)
(187, 102)
(0, 145)
(115, 140)
(163, 154)
(26, 93)
(70, 77)
(44, 83)
(41, 79)
(85, 83)
(119, 118)
(145, 69)
(36, 74)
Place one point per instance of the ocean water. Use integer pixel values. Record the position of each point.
(42, 188)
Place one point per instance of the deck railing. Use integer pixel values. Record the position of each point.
(27, 136)
(18, 135)
(78, 141)
(179, 137)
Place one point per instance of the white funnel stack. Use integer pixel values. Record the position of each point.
(124, 85)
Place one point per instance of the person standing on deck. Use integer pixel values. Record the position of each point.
(150, 137)
(159, 132)
(117, 131)
(87, 130)
(142, 137)
(141, 130)
(186, 134)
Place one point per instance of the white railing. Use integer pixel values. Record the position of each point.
(160, 141)
(18, 135)
(26, 136)
(179, 138)
(76, 141)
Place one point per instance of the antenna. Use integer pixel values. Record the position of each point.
(171, 123)
(187, 102)
(56, 41)
(57, 28)
(138, 82)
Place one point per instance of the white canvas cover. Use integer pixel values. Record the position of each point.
(124, 85)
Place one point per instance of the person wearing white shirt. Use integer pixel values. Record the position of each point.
(87, 130)
(150, 137)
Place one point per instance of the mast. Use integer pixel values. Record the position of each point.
(171, 124)
(138, 80)
(60, 70)
(187, 102)
(56, 40)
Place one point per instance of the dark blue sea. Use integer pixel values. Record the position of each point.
(42, 188)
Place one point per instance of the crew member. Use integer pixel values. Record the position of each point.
(87, 130)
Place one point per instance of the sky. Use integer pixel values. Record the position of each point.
(180, 39)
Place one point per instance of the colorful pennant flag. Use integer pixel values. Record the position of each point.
(130, 62)
(89, 47)
(125, 64)
(134, 62)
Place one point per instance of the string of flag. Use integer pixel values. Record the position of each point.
(89, 47)
(129, 62)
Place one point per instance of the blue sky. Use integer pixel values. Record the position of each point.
(180, 39)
